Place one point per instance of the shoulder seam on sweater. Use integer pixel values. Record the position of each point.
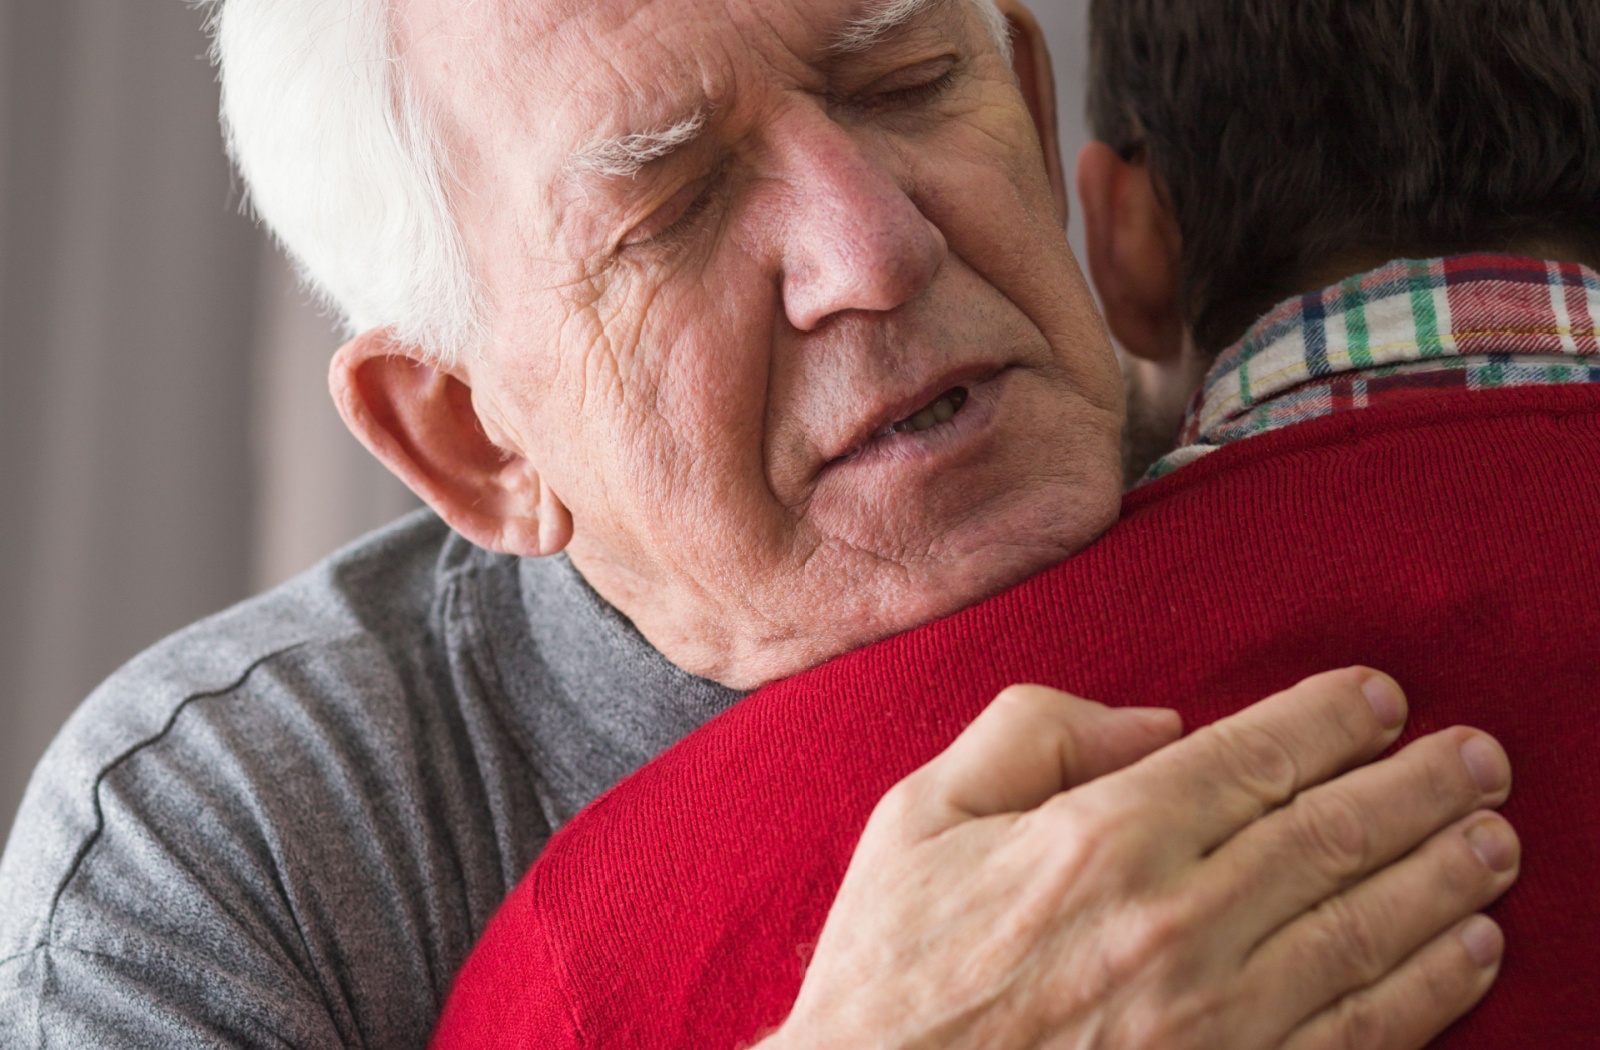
(6, 960)
(40, 995)
(60, 946)
(94, 791)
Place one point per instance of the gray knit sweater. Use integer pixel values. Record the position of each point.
(286, 825)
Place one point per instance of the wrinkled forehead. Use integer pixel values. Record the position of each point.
(574, 71)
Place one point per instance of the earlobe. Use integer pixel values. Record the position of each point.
(1030, 59)
(1134, 254)
(421, 422)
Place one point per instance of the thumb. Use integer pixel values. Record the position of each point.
(1032, 743)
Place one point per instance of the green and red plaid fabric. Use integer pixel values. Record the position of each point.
(1398, 332)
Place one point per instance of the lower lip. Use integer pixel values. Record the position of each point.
(942, 444)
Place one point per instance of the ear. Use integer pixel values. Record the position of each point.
(1030, 58)
(421, 421)
(1135, 254)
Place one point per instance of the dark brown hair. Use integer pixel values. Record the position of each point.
(1288, 132)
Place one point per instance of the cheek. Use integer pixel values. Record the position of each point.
(660, 395)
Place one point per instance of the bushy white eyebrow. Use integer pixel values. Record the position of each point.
(625, 155)
(881, 18)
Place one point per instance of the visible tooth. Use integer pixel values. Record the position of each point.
(923, 420)
(943, 409)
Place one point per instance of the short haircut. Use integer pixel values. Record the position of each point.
(345, 163)
(1288, 132)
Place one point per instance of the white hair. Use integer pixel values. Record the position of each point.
(885, 15)
(627, 155)
(345, 164)
(342, 162)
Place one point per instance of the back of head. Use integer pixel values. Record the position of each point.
(1289, 135)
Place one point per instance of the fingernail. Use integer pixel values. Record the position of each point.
(1483, 941)
(1387, 701)
(1486, 763)
(1494, 843)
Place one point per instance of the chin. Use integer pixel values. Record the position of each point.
(966, 566)
(1006, 560)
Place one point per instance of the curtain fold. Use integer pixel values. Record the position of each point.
(153, 356)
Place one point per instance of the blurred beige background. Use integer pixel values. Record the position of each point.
(167, 446)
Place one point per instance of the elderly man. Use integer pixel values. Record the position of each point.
(761, 317)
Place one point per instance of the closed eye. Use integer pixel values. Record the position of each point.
(677, 216)
(910, 87)
(918, 94)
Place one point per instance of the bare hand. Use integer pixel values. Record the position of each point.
(1231, 890)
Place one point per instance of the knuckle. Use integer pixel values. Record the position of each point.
(1257, 759)
(1153, 938)
(1362, 1025)
(1101, 839)
(1329, 831)
(1192, 1019)
(1345, 938)
(1071, 829)
(899, 803)
(1027, 696)
(1090, 817)
(1091, 840)
(1032, 709)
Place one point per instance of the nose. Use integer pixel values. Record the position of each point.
(856, 240)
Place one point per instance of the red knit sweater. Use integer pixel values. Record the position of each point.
(1452, 542)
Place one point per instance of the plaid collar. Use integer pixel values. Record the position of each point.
(1466, 321)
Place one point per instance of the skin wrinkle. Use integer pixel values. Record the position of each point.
(643, 195)
(701, 110)
(604, 346)
(660, 118)
(665, 394)
(645, 320)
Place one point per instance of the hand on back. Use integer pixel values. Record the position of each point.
(1065, 875)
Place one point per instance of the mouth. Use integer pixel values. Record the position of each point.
(941, 410)
(920, 416)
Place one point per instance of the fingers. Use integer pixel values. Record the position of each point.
(1338, 833)
(1028, 745)
(1230, 773)
(1420, 999)
(1354, 939)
